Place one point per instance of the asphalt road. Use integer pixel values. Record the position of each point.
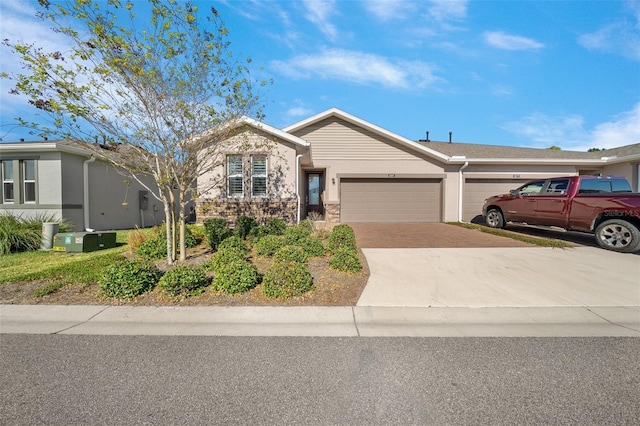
(63, 379)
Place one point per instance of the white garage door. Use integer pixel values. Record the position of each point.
(477, 190)
(390, 200)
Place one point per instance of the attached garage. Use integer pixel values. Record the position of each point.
(390, 200)
(477, 190)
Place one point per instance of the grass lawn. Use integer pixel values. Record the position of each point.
(538, 241)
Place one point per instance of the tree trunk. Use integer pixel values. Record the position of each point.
(181, 220)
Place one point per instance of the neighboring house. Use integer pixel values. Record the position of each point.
(349, 170)
(58, 179)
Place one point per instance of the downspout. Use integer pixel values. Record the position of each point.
(460, 187)
(85, 179)
(298, 157)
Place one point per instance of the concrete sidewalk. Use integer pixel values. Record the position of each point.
(321, 321)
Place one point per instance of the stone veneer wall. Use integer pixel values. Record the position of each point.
(332, 212)
(261, 210)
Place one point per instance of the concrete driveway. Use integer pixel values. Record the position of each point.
(447, 266)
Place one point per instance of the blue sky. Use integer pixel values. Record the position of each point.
(522, 73)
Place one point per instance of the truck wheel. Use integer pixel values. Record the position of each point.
(618, 235)
(494, 219)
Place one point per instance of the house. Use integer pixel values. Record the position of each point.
(345, 169)
(59, 179)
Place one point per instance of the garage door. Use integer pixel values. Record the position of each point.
(477, 190)
(390, 200)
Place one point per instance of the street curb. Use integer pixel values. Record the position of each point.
(317, 321)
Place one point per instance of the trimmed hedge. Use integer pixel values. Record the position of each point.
(233, 242)
(216, 231)
(276, 226)
(342, 236)
(312, 246)
(295, 234)
(244, 225)
(269, 245)
(183, 280)
(237, 276)
(346, 260)
(127, 279)
(291, 253)
(224, 256)
(285, 279)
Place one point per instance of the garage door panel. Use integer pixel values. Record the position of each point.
(477, 190)
(390, 200)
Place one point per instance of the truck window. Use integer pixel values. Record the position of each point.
(557, 187)
(532, 188)
(597, 186)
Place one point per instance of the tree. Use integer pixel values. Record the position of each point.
(147, 98)
(595, 149)
(555, 148)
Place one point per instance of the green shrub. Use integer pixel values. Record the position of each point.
(224, 256)
(125, 280)
(306, 224)
(198, 232)
(312, 246)
(346, 260)
(285, 279)
(276, 226)
(153, 248)
(236, 277)
(16, 237)
(295, 234)
(183, 280)
(269, 245)
(156, 246)
(216, 231)
(341, 236)
(244, 225)
(233, 242)
(257, 233)
(291, 253)
(190, 240)
(25, 234)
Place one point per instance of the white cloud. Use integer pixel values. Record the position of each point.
(445, 10)
(505, 41)
(298, 112)
(358, 67)
(390, 10)
(619, 38)
(319, 13)
(569, 132)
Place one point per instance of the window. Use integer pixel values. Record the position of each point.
(29, 181)
(596, 186)
(557, 187)
(532, 188)
(258, 176)
(7, 182)
(235, 178)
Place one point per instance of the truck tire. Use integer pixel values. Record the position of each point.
(618, 235)
(494, 219)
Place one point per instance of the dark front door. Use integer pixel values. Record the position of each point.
(315, 190)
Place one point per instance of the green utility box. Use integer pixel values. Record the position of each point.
(82, 242)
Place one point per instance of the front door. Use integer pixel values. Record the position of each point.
(315, 190)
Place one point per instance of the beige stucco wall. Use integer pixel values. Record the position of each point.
(281, 164)
(344, 150)
(628, 170)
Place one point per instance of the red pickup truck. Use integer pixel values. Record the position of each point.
(602, 205)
